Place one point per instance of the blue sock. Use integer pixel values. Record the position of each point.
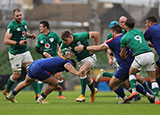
(120, 92)
(141, 89)
(14, 92)
(43, 95)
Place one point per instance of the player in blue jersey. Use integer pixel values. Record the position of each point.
(122, 73)
(152, 34)
(44, 70)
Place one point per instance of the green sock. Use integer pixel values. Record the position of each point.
(34, 85)
(39, 87)
(108, 74)
(91, 87)
(145, 85)
(132, 81)
(83, 85)
(60, 84)
(155, 89)
(9, 85)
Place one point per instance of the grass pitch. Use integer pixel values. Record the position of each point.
(105, 104)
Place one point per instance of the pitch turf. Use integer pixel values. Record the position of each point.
(105, 104)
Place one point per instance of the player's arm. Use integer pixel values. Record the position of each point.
(33, 36)
(71, 69)
(60, 54)
(109, 56)
(123, 53)
(42, 53)
(95, 36)
(8, 41)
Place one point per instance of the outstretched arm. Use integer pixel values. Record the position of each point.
(73, 70)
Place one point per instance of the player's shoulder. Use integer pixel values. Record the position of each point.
(23, 22)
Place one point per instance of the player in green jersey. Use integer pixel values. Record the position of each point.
(85, 58)
(47, 45)
(144, 58)
(19, 54)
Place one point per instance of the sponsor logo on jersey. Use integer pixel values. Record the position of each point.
(25, 27)
(47, 45)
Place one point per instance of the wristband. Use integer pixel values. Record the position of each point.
(17, 43)
(84, 48)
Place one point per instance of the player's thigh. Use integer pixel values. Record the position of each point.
(27, 58)
(16, 62)
(51, 81)
(59, 75)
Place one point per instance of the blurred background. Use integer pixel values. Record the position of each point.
(77, 16)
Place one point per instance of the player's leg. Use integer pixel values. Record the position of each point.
(103, 73)
(27, 60)
(60, 83)
(118, 89)
(19, 87)
(141, 80)
(91, 86)
(16, 63)
(52, 84)
(83, 80)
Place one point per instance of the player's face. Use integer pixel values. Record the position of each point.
(41, 28)
(17, 16)
(122, 22)
(68, 40)
(147, 23)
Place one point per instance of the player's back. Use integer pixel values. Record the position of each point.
(114, 44)
(52, 65)
(153, 34)
(134, 39)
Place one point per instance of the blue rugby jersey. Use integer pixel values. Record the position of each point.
(52, 65)
(152, 34)
(114, 44)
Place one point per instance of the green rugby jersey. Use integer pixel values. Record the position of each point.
(109, 36)
(79, 38)
(19, 32)
(135, 40)
(49, 43)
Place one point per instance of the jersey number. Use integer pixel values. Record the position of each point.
(138, 38)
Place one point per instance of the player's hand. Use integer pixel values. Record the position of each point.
(79, 48)
(47, 55)
(110, 61)
(22, 42)
(33, 36)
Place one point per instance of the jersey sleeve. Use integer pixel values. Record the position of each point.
(59, 41)
(10, 29)
(147, 34)
(38, 42)
(123, 42)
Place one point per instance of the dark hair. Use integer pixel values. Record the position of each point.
(45, 24)
(65, 34)
(16, 9)
(152, 19)
(117, 28)
(130, 23)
